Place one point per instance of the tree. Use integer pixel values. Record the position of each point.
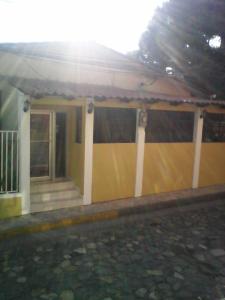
(187, 38)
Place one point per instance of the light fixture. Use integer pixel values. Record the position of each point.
(26, 105)
(90, 107)
(203, 114)
(143, 118)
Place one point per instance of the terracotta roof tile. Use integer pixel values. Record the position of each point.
(42, 88)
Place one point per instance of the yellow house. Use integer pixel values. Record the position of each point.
(81, 124)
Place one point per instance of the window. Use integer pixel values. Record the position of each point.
(169, 126)
(214, 128)
(114, 125)
(78, 125)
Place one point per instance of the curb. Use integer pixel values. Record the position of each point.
(101, 216)
(180, 202)
(110, 215)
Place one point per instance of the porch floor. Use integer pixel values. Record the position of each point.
(39, 222)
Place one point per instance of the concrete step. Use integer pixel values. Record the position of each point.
(61, 196)
(50, 186)
(53, 205)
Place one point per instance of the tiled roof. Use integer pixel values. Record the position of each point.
(86, 53)
(42, 88)
(87, 70)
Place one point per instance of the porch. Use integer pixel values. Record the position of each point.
(36, 161)
(51, 184)
(84, 151)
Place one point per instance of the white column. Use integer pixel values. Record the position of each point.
(197, 139)
(24, 153)
(140, 141)
(88, 150)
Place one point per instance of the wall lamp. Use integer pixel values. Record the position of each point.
(90, 107)
(143, 118)
(26, 105)
(203, 114)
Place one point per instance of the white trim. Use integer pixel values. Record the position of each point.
(140, 141)
(88, 153)
(66, 158)
(10, 195)
(24, 154)
(67, 152)
(52, 142)
(197, 139)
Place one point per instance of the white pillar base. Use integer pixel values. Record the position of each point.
(140, 141)
(24, 154)
(197, 138)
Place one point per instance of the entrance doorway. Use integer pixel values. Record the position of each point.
(48, 145)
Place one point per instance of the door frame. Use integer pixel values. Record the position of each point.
(52, 144)
(54, 112)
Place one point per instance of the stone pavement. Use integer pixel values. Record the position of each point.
(169, 257)
(45, 221)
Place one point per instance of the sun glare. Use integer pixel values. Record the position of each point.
(115, 23)
(215, 41)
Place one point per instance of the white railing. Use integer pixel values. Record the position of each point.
(9, 162)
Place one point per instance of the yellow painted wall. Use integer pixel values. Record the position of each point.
(114, 167)
(168, 86)
(10, 207)
(57, 102)
(76, 160)
(167, 167)
(77, 166)
(212, 167)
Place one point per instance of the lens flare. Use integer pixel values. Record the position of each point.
(114, 23)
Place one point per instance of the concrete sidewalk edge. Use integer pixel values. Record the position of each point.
(108, 215)
(42, 227)
(179, 202)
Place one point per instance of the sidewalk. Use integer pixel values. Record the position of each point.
(45, 221)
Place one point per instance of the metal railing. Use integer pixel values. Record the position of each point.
(9, 162)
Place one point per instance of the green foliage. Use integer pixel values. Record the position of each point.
(180, 36)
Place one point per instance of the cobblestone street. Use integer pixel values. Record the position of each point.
(175, 256)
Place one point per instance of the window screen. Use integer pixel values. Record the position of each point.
(114, 125)
(169, 126)
(214, 128)
(78, 125)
